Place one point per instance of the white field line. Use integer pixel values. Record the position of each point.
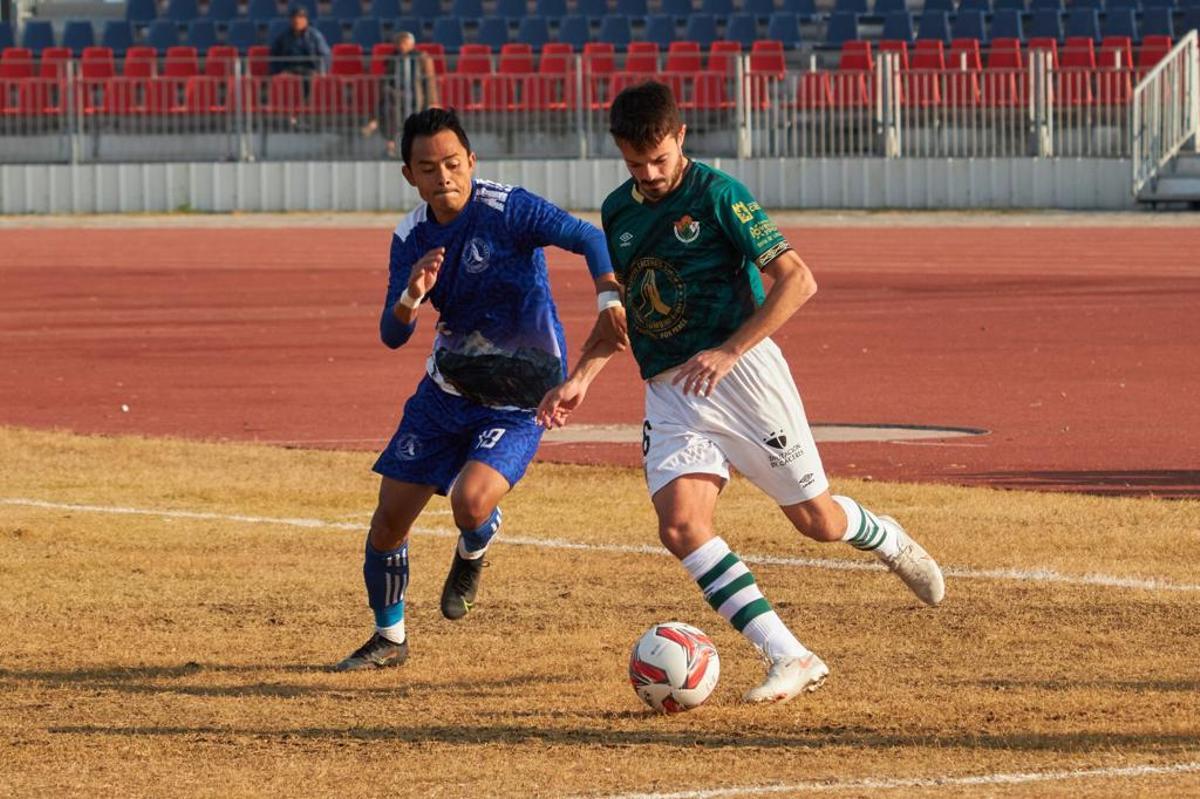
(886, 783)
(829, 564)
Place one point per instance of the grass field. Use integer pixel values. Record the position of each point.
(181, 651)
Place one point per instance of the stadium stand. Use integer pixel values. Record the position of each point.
(448, 32)
(493, 31)
(534, 31)
(6, 36)
(262, 11)
(842, 27)
(551, 9)
(242, 34)
(78, 34)
(367, 32)
(935, 26)
(701, 28)
(898, 27)
(970, 25)
(784, 27)
(37, 35)
(740, 28)
(615, 30)
(202, 34)
(1157, 21)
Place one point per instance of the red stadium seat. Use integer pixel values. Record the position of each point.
(641, 64)
(900, 48)
(16, 63)
(767, 71)
(347, 59)
(1114, 80)
(856, 57)
(436, 53)
(814, 90)
(258, 60)
(1047, 44)
(97, 62)
(381, 58)
(326, 96)
(202, 95)
(553, 87)
(1153, 49)
(474, 59)
(722, 55)
(96, 69)
(962, 75)
(141, 62)
(220, 61)
(923, 82)
(164, 95)
(964, 55)
(853, 86)
(599, 68)
(1073, 81)
(181, 62)
(285, 97)
(54, 63)
(1005, 80)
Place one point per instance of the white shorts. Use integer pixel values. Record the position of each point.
(754, 420)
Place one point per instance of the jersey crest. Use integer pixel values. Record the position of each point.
(476, 255)
(687, 229)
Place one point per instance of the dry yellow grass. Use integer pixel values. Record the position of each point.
(155, 656)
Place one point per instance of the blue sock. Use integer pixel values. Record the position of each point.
(386, 576)
(473, 543)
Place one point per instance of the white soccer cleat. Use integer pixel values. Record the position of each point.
(788, 677)
(914, 566)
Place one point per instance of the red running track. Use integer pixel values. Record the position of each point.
(1078, 348)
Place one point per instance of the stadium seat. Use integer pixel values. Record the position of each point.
(964, 67)
(262, 11)
(140, 12)
(722, 55)
(599, 69)
(1079, 52)
(1120, 22)
(965, 55)
(346, 11)
(935, 26)
(856, 57)
(534, 31)
(77, 34)
(701, 28)
(37, 35)
(1007, 25)
(984, 6)
(969, 25)
(1047, 44)
(552, 9)
(1046, 25)
(882, 8)
(853, 87)
(1008, 5)
(1151, 52)
(660, 29)
(181, 11)
(447, 31)
(897, 46)
(413, 25)
(842, 28)
(512, 10)
(347, 59)
(258, 60)
(551, 89)
(332, 30)
(594, 9)
(436, 53)
(717, 8)
(740, 28)
(386, 9)
(784, 26)
(615, 30)
(426, 9)
(631, 8)
(367, 32)
(850, 7)
(220, 61)
(242, 34)
(467, 9)
(16, 63)
(202, 34)
(1005, 78)
(6, 36)
(161, 34)
(222, 11)
(97, 63)
(1083, 22)
(54, 63)
(922, 84)
(763, 9)
(181, 62)
(382, 56)
(1046, 5)
(117, 35)
(806, 10)
(573, 30)
(493, 31)
(641, 64)
(945, 6)
(897, 27)
(1073, 80)
(676, 8)
(1158, 22)
(1118, 5)
(1114, 80)
(767, 58)
(140, 62)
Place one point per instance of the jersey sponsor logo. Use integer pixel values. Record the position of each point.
(778, 441)
(489, 438)
(658, 298)
(626, 239)
(406, 447)
(476, 255)
(763, 231)
(687, 229)
(743, 212)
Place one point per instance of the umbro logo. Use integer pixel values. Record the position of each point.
(777, 439)
(626, 239)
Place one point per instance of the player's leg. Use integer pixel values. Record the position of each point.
(838, 518)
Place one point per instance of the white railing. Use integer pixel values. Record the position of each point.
(1165, 111)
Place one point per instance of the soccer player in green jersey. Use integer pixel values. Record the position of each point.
(689, 245)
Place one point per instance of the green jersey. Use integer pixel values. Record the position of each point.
(689, 263)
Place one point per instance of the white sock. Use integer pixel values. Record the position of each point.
(467, 554)
(865, 531)
(395, 633)
(730, 589)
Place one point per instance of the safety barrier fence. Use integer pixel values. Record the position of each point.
(1165, 111)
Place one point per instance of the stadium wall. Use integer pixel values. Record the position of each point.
(852, 183)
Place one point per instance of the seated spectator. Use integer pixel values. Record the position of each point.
(300, 49)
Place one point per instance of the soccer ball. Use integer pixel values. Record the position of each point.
(674, 667)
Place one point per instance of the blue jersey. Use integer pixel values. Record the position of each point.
(499, 340)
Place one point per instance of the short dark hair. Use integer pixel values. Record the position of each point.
(299, 11)
(427, 123)
(644, 115)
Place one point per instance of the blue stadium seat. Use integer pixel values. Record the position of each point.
(701, 28)
(367, 33)
(1189, 22)
(934, 25)
(742, 28)
(275, 29)
(945, 6)
(1183, 4)
(222, 11)
(718, 8)
(202, 34)
(182, 11)
(632, 8)
(78, 34)
(1084, 22)
(897, 27)
(386, 9)
(969, 25)
(1158, 22)
(763, 9)
(534, 31)
(884, 7)
(1121, 22)
(448, 32)
(660, 29)
(1045, 24)
(262, 11)
(1045, 5)
(842, 27)
(784, 26)
(513, 9)
(594, 9)
(574, 30)
(1007, 5)
(467, 9)
(309, 5)
(37, 34)
(141, 12)
(117, 36)
(615, 30)
(1097, 5)
(493, 31)
(413, 25)
(426, 9)
(161, 34)
(976, 5)
(1120, 5)
(850, 6)
(331, 29)
(347, 10)
(6, 35)
(806, 10)
(242, 34)
(552, 9)
(1006, 24)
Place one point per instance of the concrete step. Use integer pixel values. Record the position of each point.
(1185, 165)
(1173, 188)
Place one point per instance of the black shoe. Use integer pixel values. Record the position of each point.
(458, 594)
(376, 653)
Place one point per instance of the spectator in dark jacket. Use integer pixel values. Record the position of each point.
(300, 49)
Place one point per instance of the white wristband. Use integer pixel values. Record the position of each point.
(409, 301)
(608, 299)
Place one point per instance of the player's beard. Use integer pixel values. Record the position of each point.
(663, 189)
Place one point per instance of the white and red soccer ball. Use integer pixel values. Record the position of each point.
(674, 667)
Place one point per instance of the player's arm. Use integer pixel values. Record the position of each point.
(565, 398)
(408, 283)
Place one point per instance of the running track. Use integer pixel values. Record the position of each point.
(1077, 347)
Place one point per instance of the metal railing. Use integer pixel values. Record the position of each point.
(1165, 111)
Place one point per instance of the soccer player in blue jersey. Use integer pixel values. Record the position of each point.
(473, 251)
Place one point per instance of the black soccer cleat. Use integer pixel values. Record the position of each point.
(458, 594)
(376, 653)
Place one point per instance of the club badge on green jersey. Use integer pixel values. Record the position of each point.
(687, 229)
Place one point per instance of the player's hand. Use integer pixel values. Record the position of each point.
(610, 326)
(425, 272)
(559, 402)
(701, 373)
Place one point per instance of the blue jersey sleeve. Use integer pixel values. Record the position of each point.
(391, 331)
(535, 222)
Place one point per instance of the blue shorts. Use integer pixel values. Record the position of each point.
(440, 432)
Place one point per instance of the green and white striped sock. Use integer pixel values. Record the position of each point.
(865, 531)
(731, 590)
